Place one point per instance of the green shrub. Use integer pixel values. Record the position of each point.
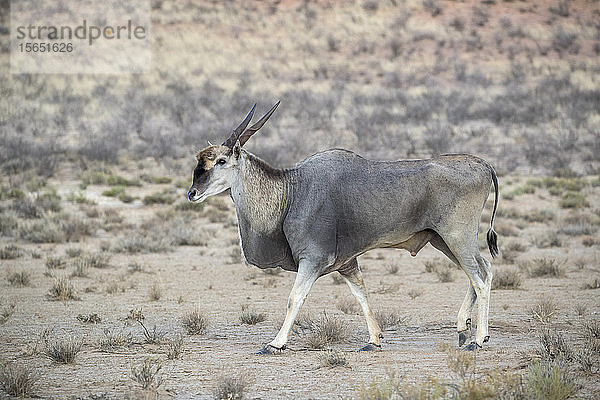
(164, 197)
(573, 200)
(550, 380)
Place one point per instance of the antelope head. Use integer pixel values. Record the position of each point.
(218, 165)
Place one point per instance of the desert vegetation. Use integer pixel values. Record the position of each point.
(114, 286)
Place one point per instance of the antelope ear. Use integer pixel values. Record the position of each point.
(237, 150)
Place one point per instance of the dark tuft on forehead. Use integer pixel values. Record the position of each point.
(210, 154)
(207, 154)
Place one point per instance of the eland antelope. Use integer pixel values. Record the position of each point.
(320, 215)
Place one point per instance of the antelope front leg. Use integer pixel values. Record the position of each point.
(306, 276)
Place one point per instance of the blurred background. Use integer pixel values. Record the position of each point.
(513, 81)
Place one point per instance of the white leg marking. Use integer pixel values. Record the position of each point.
(357, 287)
(306, 276)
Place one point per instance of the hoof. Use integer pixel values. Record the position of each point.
(471, 346)
(462, 337)
(370, 347)
(268, 350)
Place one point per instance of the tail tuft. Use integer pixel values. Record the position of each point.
(492, 241)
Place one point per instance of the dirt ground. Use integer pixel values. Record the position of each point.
(211, 279)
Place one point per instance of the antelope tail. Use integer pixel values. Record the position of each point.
(492, 236)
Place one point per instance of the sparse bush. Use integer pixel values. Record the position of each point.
(249, 317)
(62, 351)
(507, 279)
(91, 318)
(194, 323)
(62, 289)
(21, 278)
(592, 334)
(347, 306)
(113, 340)
(73, 252)
(573, 200)
(323, 331)
(147, 373)
(388, 319)
(153, 336)
(332, 359)
(445, 274)
(8, 223)
(392, 269)
(550, 380)
(6, 313)
(230, 388)
(433, 7)
(593, 284)
(174, 348)
(164, 197)
(53, 262)
(545, 310)
(16, 380)
(155, 292)
(554, 347)
(546, 266)
(42, 232)
(10, 252)
(137, 243)
(414, 293)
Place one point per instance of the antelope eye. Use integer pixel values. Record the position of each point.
(221, 161)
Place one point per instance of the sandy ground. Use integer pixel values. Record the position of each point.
(205, 278)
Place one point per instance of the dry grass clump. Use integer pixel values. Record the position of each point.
(592, 335)
(548, 239)
(332, 359)
(250, 317)
(62, 351)
(389, 319)
(16, 380)
(592, 284)
(392, 269)
(194, 323)
(174, 347)
(573, 200)
(550, 380)
(154, 336)
(91, 318)
(112, 340)
(11, 252)
(155, 292)
(230, 388)
(445, 274)
(147, 373)
(138, 243)
(164, 197)
(20, 278)
(545, 310)
(545, 267)
(98, 260)
(323, 331)
(6, 312)
(55, 262)
(507, 279)
(347, 305)
(511, 251)
(414, 293)
(62, 289)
